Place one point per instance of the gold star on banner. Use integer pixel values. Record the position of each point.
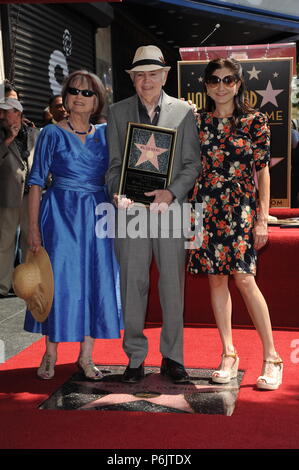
(269, 95)
(253, 73)
(149, 152)
(275, 74)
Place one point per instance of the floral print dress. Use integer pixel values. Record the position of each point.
(226, 189)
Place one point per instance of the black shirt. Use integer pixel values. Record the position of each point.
(143, 114)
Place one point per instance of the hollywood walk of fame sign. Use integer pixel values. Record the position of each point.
(268, 83)
(148, 161)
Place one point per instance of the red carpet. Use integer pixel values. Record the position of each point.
(277, 278)
(261, 420)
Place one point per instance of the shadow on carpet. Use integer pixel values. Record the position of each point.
(155, 393)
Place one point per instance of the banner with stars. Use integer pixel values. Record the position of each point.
(268, 83)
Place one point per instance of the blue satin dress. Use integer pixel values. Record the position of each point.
(86, 283)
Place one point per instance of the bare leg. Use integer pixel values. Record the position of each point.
(86, 347)
(85, 360)
(51, 348)
(222, 308)
(259, 313)
(46, 368)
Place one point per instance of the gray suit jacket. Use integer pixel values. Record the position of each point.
(12, 171)
(174, 114)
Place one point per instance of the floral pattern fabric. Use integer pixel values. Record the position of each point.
(227, 191)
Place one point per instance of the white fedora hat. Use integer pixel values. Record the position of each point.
(148, 58)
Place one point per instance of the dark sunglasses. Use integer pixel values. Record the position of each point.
(76, 91)
(228, 80)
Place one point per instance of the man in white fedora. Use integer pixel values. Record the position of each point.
(151, 105)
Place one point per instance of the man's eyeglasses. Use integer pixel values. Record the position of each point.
(76, 91)
(228, 81)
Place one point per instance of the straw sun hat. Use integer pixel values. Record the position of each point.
(33, 281)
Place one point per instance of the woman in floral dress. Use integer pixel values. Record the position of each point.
(235, 140)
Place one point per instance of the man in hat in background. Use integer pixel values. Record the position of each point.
(17, 142)
(151, 105)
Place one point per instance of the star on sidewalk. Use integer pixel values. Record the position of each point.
(155, 393)
(150, 152)
(179, 402)
(269, 95)
(253, 73)
(175, 399)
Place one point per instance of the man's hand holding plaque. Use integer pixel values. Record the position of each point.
(163, 198)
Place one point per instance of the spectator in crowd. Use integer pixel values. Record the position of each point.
(17, 142)
(56, 109)
(10, 91)
(47, 116)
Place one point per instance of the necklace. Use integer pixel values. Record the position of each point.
(78, 132)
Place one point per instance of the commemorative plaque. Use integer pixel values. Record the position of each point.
(148, 161)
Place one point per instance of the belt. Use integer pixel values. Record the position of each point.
(75, 185)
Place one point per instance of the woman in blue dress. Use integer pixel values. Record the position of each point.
(86, 301)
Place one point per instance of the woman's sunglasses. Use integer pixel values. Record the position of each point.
(76, 91)
(228, 81)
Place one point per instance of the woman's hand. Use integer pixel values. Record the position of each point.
(34, 239)
(193, 106)
(260, 234)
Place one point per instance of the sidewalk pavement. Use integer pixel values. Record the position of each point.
(13, 338)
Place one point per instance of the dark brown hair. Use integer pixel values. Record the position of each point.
(241, 105)
(94, 84)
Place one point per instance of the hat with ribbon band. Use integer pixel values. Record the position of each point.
(148, 58)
